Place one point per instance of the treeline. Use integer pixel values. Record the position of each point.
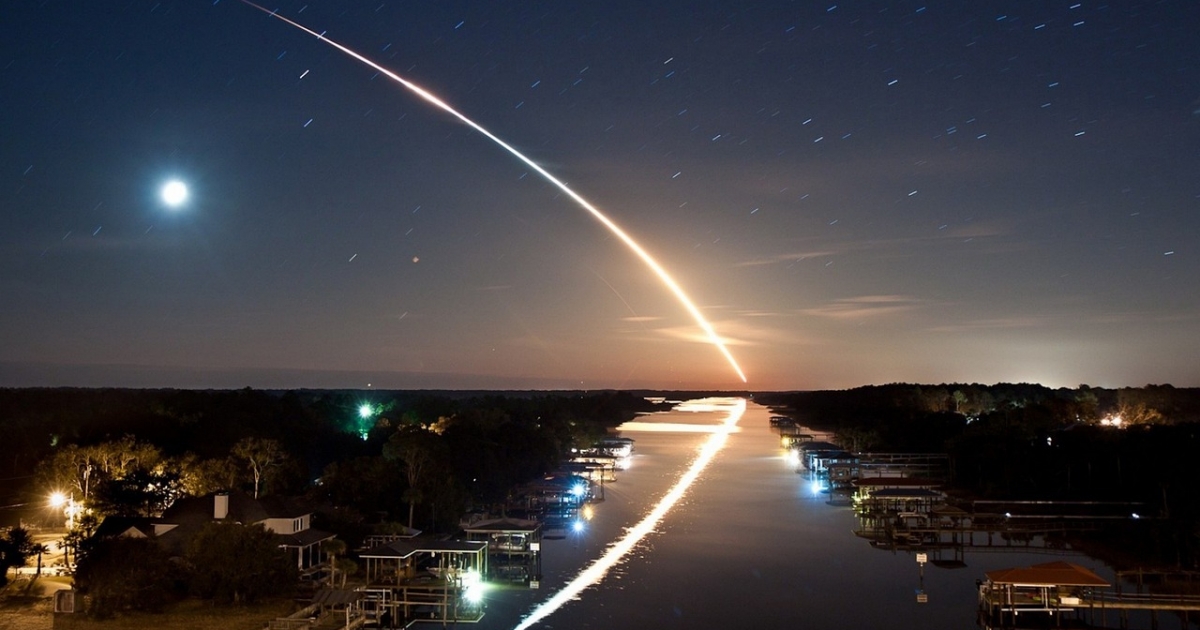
(1028, 442)
(364, 456)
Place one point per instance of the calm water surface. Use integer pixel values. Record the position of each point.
(749, 546)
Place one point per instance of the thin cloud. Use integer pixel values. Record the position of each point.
(866, 306)
(989, 234)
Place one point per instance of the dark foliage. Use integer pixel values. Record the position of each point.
(16, 546)
(1031, 442)
(232, 563)
(140, 493)
(124, 574)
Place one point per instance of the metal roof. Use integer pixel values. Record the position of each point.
(1049, 574)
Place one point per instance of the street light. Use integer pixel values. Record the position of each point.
(66, 503)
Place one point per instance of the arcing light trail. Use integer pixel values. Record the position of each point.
(618, 550)
(600, 216)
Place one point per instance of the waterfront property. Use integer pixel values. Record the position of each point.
(892, 495)
(283, 517)
(1051, 588)
(514, 548)
(1061, 588)
(816, 456)
(556, 497)
(418, 579)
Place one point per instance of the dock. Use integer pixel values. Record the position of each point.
(1063, 590)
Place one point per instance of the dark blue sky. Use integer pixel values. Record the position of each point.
(852, 193)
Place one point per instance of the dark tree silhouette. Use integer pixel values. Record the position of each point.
(232, 563)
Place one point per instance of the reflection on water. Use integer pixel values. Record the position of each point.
(596, 571)
(749, 545)
(674, 427)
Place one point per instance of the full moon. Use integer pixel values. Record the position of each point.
(174, 193)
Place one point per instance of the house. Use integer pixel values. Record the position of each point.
(281, 516)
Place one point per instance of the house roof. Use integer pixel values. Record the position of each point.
(1049, 574)
(896, 482)
(409, 547)
(276, 506)
(504, 525)
(950, 511)
(243, 508)
(129, 526)
(905, 493)
(190, 514)
(304, 538)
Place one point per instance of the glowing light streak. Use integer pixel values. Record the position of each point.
(595, 572)
(650, 262)
(675, 427)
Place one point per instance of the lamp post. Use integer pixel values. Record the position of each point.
(66, 502)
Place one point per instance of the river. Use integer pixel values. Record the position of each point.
(749, 546)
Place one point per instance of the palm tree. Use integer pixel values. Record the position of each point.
(39, 549)
(334, 548)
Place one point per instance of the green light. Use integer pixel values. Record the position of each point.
(365, 411)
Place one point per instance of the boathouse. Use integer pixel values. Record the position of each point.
(1053, 587)
(514, 548)
(428, 580)
(884, 495)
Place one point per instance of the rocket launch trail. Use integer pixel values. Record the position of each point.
(637, 249)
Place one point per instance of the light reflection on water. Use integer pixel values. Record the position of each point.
(751, 546)
(616, 552)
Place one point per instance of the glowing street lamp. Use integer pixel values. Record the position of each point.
(66, 503)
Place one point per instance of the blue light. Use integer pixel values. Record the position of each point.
(577, 526)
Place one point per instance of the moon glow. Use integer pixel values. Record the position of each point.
(174, 193)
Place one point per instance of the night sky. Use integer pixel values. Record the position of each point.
(852, 193)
